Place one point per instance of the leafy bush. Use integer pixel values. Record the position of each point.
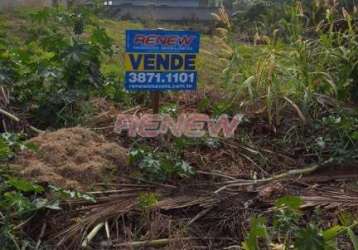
(19, 198)
(58, 67)
(339, 138)
(160, 166)
(10, 143)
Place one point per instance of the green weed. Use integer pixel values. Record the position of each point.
(160, 166)
(288, 232)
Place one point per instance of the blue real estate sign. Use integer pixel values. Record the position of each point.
(159, 60)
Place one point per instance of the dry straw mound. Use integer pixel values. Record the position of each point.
(72, 158)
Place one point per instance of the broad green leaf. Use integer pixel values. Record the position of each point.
(24, 185)
(18, 201)
(184, 169)
(72, 194)
(292, 202)
(44, 203)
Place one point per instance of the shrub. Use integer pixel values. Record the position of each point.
(59, 67)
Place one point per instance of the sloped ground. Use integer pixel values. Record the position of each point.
(72, 158)
(194, 213)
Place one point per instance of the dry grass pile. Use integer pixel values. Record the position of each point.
(73, 158)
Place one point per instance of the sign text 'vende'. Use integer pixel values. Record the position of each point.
(158, 60)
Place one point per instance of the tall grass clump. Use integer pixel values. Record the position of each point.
(312, 49)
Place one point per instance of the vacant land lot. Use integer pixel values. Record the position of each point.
(287, 179)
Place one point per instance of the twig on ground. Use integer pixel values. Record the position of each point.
(136, 108)
(157, 243)
(273, 178)
(5, 96)
(136, 190)
(200, 215)
(42, 233)
(216, 174)
(108, 233)
(151, 243)
(298, 110)
(153, 183)
(234, 247)
(103, 128)
(91, 235)
(16, 119)
(23, 223)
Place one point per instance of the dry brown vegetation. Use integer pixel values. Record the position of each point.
(74, 158)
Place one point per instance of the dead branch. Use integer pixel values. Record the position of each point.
(297, 109)
(42, 233)
(216, 174)
(286, 175)
(157, 243)
(151, 243)
(16, 119)
(91, 235)
(200, 215)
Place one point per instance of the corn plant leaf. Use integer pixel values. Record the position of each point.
(310, 238)
(353, 238)
(333, 232)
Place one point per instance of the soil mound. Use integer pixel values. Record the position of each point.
(72, 158)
